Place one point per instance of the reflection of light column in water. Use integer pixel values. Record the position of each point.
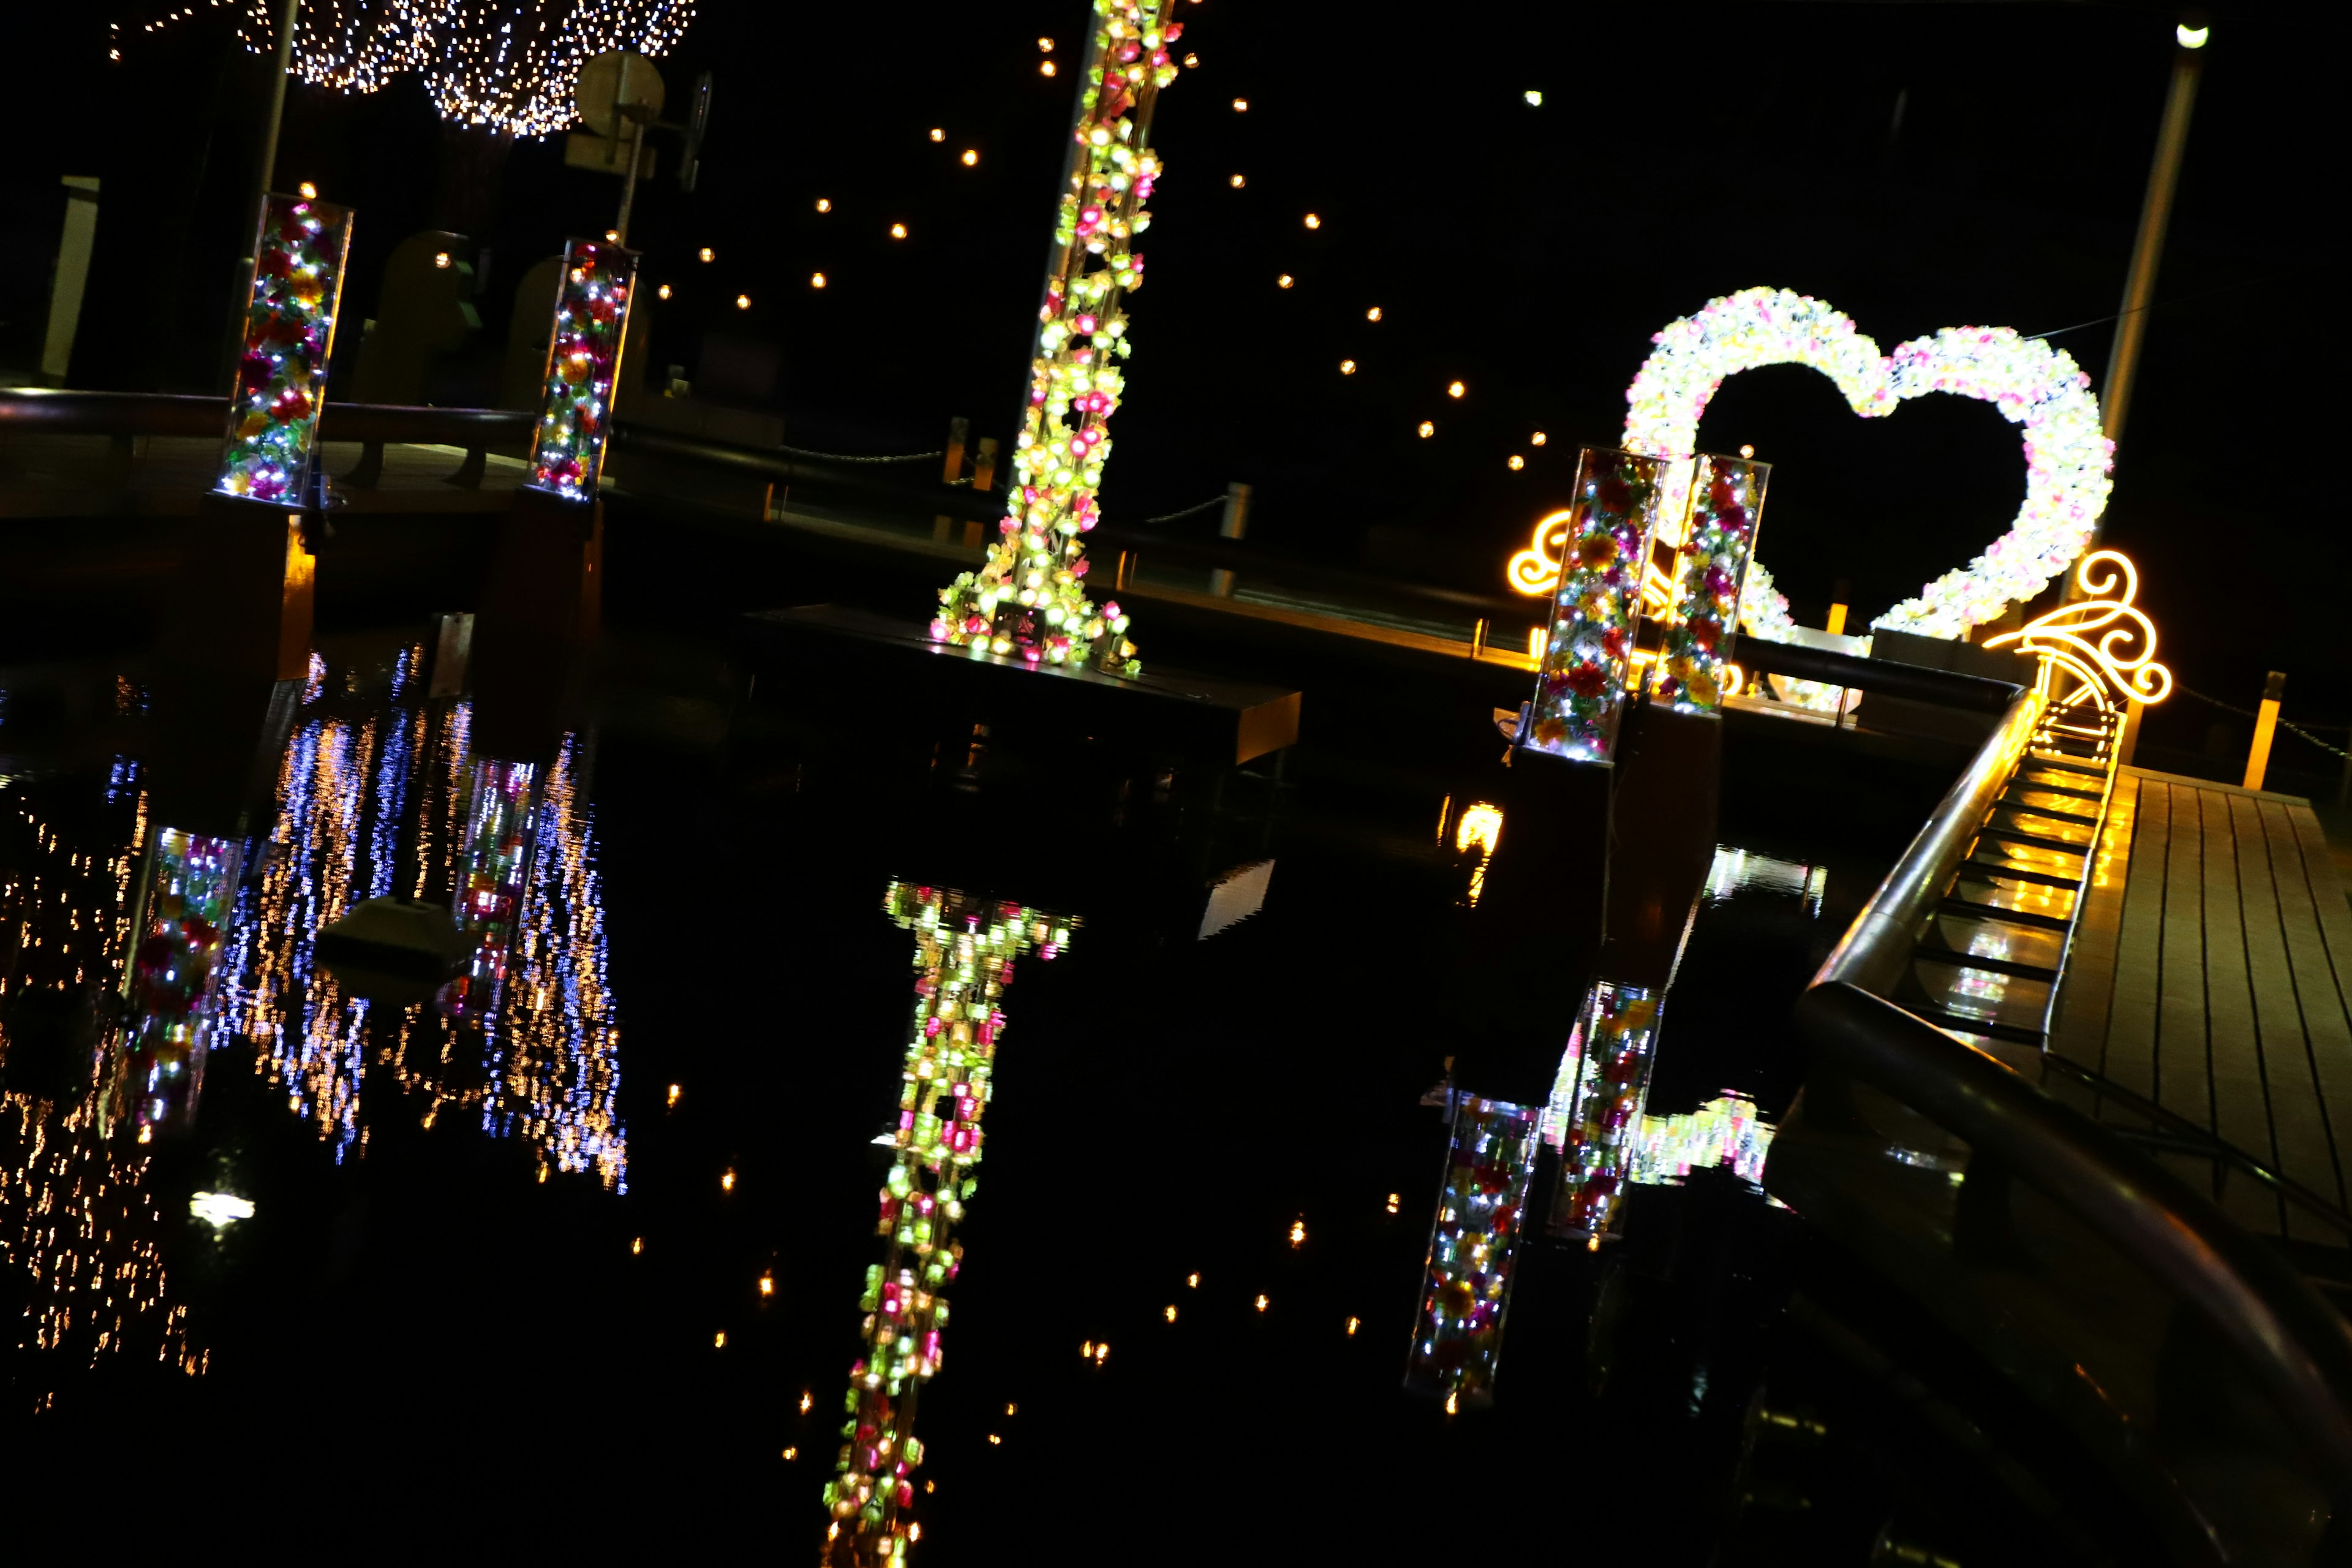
(191, 893)
(1598, 1093)
(497, 859)
(964, 950)
(1466, 1285)
(1724, 1131)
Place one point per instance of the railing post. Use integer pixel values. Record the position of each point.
(2127, 744)
(1234, 524)
(1835, 625)
(983, 468)
(959, 432)
(2258, 758)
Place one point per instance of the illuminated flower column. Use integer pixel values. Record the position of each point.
(1603, 1080)
(1466, 1285)
(290, 331)
(1726, 507)
(1031, 595)
(584, 365)
(190, 896)
(964, 950)
(1581, 692)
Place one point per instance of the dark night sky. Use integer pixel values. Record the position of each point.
(1682, 152)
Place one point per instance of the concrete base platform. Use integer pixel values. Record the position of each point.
(816, 649)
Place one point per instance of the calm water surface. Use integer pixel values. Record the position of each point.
(572, 1255)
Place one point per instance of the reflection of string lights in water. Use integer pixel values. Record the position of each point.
(554, 1045)
(1466, 1285)
(964, 952)
(526, 881)
(75, 1215)
(309, 1036)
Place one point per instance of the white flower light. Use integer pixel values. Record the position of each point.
(2036, 386)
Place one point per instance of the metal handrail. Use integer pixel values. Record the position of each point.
(1876, 949)
(77, 413)
(1916, 682)
(2298, 1348)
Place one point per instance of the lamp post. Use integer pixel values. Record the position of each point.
(2155, 215)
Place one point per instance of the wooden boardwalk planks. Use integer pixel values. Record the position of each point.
(2233, 1052)
(2129, 1056)
(2080, 1031)
(2211, 971)
(2181, 1083)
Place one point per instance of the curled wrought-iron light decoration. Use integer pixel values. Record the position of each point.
(2104, 641)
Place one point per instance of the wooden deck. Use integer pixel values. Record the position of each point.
(2209, 973)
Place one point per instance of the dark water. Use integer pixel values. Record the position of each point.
(561, 1271)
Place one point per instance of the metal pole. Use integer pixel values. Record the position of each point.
(2155, 215)
(288, 13)
(629, 187)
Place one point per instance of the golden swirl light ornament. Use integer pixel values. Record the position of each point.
(1535, 571)
(2104, 642)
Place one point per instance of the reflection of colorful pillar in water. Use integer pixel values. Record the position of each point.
(964, 950)
(1598, 1098)
(1581, 691)
(191, 894)
(1466, 1285)
(496, 862)
(1703, 618)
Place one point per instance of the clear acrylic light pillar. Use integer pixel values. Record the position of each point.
(1604, 1079)
(1597, 604)
(1702, 621)
(289, 333)
(583, 366)
(1457, 1337)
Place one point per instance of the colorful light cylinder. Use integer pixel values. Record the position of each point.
(1727, 507)
(289, 335)
(1580, 688)
(964, 953)
(1466, 1284)
(583, 366)
(175, 972)
(1030, 598)
(1604, 1079)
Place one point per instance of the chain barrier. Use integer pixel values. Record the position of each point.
(1172, 516)
(2284, 724)
(847, 457)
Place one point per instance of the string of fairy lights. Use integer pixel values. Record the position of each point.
(506, 65)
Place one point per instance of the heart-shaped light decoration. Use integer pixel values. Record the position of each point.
(2067, 457)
